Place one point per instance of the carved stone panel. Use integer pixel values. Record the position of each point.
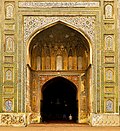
(109, 89)
(109, 59)
(8, 90)
(8, 59)
(9, 27)
(109, 26)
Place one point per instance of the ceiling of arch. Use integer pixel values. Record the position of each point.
(60, 35)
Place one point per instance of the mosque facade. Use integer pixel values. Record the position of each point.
(60, 61)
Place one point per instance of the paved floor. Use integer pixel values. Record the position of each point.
(59, 127)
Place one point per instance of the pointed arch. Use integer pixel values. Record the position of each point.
(60, 95)
(55, 23)
(58, 78)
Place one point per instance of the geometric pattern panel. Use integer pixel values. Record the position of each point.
(33, 23)
(105, 119)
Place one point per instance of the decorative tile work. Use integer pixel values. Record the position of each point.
(8, 104)
(109, 105)
(12, 119)
(34, 23)
(109, 14)
(108, 119)
(84, 23)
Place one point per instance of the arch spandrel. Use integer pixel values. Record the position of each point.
(70, 78)
(59, 78)
(77, 23)
(83, 24)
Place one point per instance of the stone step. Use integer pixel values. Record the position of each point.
(59, 125)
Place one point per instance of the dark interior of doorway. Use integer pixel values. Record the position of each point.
(59, 102)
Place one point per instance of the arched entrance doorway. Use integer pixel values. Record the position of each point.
(59, 51)
(59, 101)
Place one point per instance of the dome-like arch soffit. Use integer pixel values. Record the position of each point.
(63, 40)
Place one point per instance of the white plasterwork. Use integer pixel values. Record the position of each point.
(57, 4)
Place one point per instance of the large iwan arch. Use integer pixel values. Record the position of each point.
(59, 52)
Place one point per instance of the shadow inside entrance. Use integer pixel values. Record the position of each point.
(59, 119)
(59, 103)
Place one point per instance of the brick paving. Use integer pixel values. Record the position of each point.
(59, 127)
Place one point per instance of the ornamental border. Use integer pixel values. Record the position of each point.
(57, 4)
